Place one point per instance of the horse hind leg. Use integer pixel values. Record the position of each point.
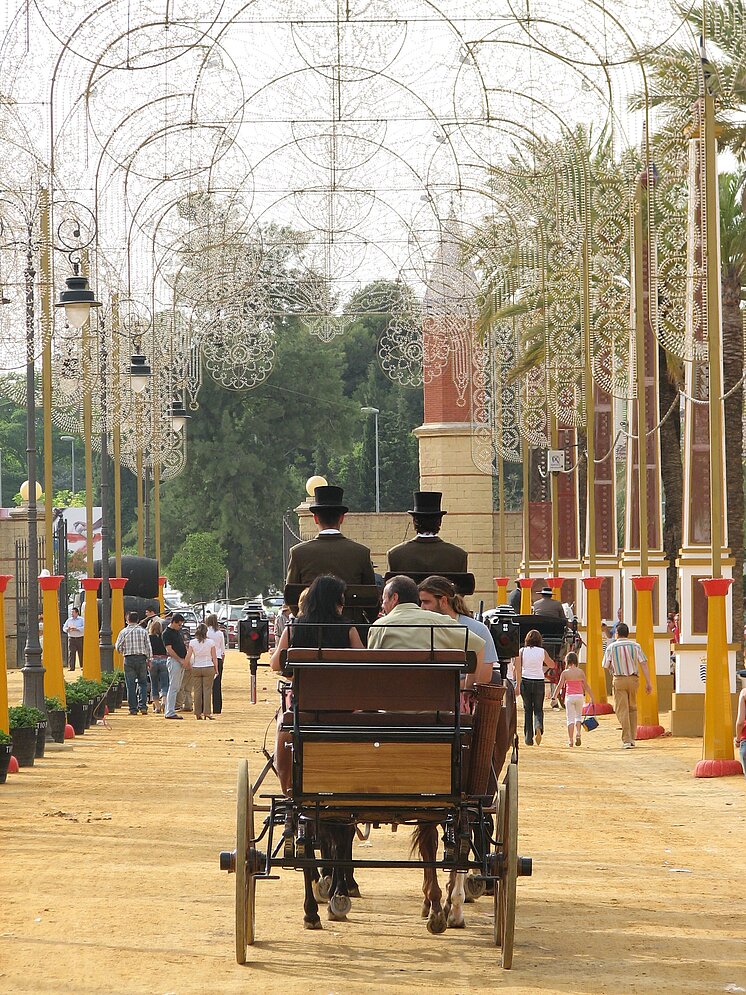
(426, 838)
(310, 905)
(456, 896)
(339, 901)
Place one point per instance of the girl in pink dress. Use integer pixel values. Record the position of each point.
(572, 679)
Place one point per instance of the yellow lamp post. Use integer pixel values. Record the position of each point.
(91, 649)
(594, 649)
(648, 726)
(717, 745)
(502, 590)
(4, 724)
(162, 581)
(54, 677)
(117, 585)
(556, 585)
(525, 584)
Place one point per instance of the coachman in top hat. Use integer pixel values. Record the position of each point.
(330, 552)
(427, 553)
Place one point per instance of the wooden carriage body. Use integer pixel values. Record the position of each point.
(378, 737)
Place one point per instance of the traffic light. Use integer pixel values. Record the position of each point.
(253, 636)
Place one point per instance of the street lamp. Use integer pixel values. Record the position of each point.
(139, 373)
(178, 415)
(375, 412)
(71, 440)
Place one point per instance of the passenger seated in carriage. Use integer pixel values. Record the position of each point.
(405, 625)
(319, 624)
(320, 621)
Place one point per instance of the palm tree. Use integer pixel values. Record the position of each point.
(674, 73)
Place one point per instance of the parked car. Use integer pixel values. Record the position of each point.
(231, 617)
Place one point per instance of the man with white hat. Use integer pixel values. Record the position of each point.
(548, 607)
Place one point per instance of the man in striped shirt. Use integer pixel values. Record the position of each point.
(134, 645)
(624, 659)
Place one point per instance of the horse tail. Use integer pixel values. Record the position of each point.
(422, 831)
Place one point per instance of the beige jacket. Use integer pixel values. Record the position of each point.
(409, 627)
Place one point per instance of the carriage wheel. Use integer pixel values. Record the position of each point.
(497, 929)
(505, 894)
(245, 880)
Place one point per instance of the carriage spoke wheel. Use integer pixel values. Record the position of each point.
(245, 863)
(507, 828)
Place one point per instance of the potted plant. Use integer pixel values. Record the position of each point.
(23, 722)
(57, 718)
(77, 704)
(41, 733)
(111, 681)
(6, 749)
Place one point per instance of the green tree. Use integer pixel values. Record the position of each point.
(250, 452)
(198, 567)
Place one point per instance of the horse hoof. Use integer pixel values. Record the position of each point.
(316, 924)
(339, 906)
(320, 891)
(474, 888)
(436, 923)
(354, 891)
(452, 924)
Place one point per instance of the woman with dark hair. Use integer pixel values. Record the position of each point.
(320, 623)
(533, 660)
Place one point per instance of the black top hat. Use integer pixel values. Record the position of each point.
(427, 503)
(328, 498)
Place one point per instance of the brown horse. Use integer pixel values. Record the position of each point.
(425, 837)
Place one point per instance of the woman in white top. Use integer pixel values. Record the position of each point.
(215, 633)
(203, 662)
(533, 660)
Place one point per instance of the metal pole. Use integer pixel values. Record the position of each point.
(72, 463)
(33, 670)
(116, 436)
(554, 497)
(1, 478)
(104, 640)
(378, 471)
(714, 333)
(146, 511)
(590, 413)
(642, 420)
(45, 262)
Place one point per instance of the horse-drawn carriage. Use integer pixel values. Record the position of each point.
(378, 737)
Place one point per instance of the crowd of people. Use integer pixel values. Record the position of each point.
(162, 669)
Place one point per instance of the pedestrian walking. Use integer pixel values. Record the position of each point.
(134, 645)
(201, 657)
(533, 661)
(576, 687)
(215, 633)
(176, 649)
(624, 659)
(158, 666)
(73, 629)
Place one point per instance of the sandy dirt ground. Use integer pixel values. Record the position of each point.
(109, 879)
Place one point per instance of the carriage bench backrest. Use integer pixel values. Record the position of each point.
(373, 680)
(341, 746)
